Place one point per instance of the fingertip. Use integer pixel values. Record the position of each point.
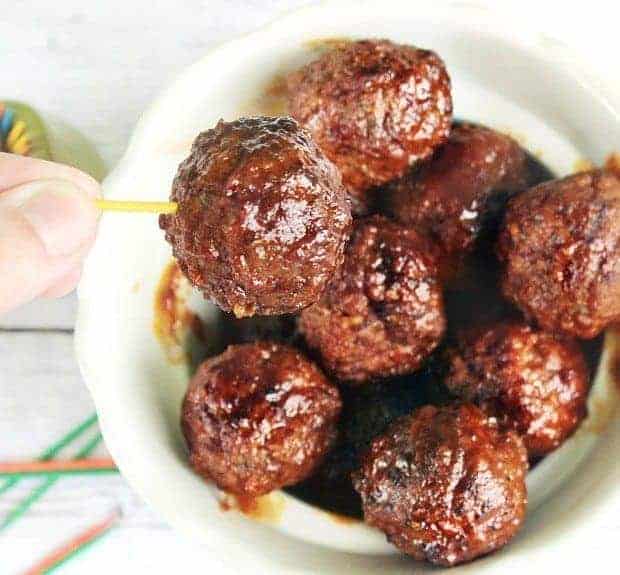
(46, 229)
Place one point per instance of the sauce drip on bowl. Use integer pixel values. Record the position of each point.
(267, 508)
(173, 320)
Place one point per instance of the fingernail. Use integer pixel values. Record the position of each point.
(61, 214)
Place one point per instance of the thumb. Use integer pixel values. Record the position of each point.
(46, 229)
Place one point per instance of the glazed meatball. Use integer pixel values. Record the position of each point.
(383, 315)
(263, 217)
(258, 417)
(445, 484)
(367, 411)
(533, 382)
(561, 247)
(463, 187)
(375, 108)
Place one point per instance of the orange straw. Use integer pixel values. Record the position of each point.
(89, 465)
(74, 546)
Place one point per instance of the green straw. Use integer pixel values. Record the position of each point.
(54, 449)
(42, 489)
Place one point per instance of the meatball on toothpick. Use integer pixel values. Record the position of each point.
(383, 314)
(262, 217)
(561, 247)
(375, 108)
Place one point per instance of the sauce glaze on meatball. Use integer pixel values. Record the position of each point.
(464, 186)
(367, 411)
(259, 417)
(383, 315)
(375, 108)
(561, 247)
(533, 382)
(263, 217)
(445, 484)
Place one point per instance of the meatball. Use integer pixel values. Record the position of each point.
(383, 314)
(445, 484)
(533, 382)
(561, 247)
(263, 217)
(375, 108)
(464, 186)
(366, 413)
(258, 417)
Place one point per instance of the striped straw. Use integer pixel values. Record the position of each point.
(55, 448)
(71, 467)
(25, 504)
(74, 547)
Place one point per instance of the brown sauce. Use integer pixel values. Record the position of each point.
(345, 520)
(614, 366)
(324, 44)
(600, 409)
(272, 101)
(604, 407)
(538, 171)
(601, 413)
(342, 503)
(266, 509)
(173, 320)
(582, 165)
(592, 350)
(613, 163)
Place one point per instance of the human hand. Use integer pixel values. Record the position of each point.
(47, 226)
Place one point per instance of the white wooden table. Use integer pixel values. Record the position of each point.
(94, 67)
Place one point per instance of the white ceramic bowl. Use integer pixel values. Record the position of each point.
(504, 75)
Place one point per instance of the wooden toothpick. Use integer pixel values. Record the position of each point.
(145, 207)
